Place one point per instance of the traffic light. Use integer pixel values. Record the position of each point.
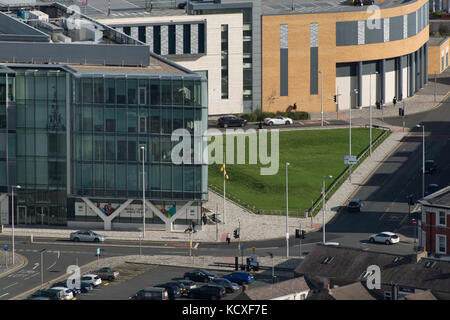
(236, 233)
(303, 234)
(297, 233)
(335, 98)
(411, 200)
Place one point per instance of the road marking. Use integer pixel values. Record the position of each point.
(10, 285)
(35, 266)
(3, 295)
(51, 265)
(28, 278)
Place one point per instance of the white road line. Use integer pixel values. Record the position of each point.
(3, 295)
(51, 265)
(35, 266)
(34, 275)
(10, 285)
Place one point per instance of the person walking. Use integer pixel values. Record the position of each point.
(204, 218)
(194, 226)
(228, 237)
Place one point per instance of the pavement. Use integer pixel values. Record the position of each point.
(262, 227)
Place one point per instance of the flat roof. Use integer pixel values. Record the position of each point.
(436, 41)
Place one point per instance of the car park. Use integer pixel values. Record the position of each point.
(354, 205)
(152, 293)
(210, 292)
(173, 289)
(278, 120)
(385, 237)
(227, 284)
(231, 121)
(239, 277)
(92, 279)
(66, 292)
(86, 235)
(432, 188)
(107, 274)
(199, 275)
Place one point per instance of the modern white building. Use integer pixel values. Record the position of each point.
(211, 45)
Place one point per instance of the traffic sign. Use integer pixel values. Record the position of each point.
(350, 159)
(98, 251)
(5, 248)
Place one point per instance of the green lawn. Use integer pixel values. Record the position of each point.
(311, 154)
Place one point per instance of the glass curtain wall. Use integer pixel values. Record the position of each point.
(114, 116)
(41, 146)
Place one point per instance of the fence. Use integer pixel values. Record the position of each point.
(317, 204)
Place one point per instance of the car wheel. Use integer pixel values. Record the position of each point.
(225, 125)
(270, 123)
(76, 239)
(287, 123)
(243, 124)
(96, 240)
(372, 240)
(111, 278)
(387, 242)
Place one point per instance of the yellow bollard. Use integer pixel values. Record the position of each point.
(31, 239)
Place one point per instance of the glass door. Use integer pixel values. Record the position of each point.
(42, 215)
(22, 214)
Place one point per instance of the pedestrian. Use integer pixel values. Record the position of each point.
(228, 237)
(394, 101)
(204, 219)
(295, 107)
(194, 226)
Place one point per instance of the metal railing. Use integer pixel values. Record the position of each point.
(317, 204)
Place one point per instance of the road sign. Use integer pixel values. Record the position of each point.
(350, 159)
(5, 248)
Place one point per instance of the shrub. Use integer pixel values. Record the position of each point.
(259, 115)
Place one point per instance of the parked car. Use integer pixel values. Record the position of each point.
(173, 289)
(85, 287)
(107, 274)
(92, 279)
(354, 205)
(278, 120)
(432, 188)
(231, 121)
(63, 284)
(86, 235)
(199, 275)
(152, 293)
(430, 166)
(210, 292)
(47, 294)
(240, 277)
(187, 285)
(385, 237)
(182, 5)
(363, 2)
(67, 293)
(227, 284)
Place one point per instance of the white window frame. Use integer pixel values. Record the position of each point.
(438, 236)
(438, 219)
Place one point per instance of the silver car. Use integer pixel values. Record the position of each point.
(86, 235)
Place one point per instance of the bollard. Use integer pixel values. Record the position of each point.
(31, 239)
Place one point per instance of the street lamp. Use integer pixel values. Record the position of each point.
(350, 134)
(321, 97)
(287, 211)
(370, 107)
(13, 212)
(42, 267)
(423, 158)
(143, 190)
(323, 205)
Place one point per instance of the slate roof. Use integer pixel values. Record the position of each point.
(348, 264)
(354, 291)
(440, 198)
(426, 295)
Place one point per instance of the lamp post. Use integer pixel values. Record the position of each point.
(423, 158)
(323, 206)
(350, 134)
(321, 97)
(42, 267)
(13, 212)
(287, 211)
(370, 111)
(143, 191)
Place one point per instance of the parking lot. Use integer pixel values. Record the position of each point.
(134, 277)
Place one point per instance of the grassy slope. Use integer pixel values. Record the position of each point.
(311, 154)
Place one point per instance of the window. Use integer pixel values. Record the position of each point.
(441, 221)
(142, 124)
(187, 38)
(142, 95)
(441, 244)
(224, 61)
(172, 36)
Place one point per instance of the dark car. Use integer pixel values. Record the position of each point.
(231, 121)
(187, 285)
(210, 292)
(86, 287)
(363, 2)
(227, 284)
(354, 205)
(240, 277)
(432, 188)
(199, 276)
(47, 294)
(173, 289)
(430, 166)
(151, 293)
(182, 5)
